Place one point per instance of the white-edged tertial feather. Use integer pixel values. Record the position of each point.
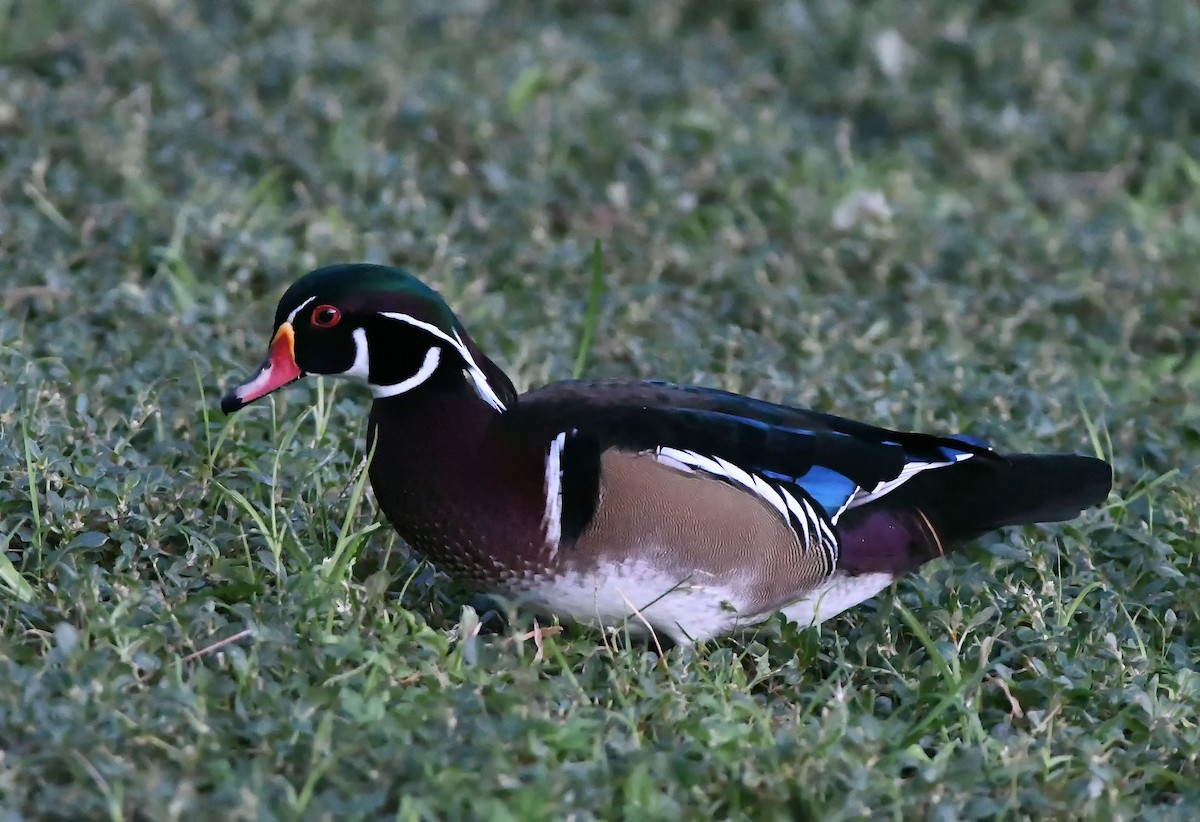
(910, 470)
(841, 510)
(473, 372)
(552, 519)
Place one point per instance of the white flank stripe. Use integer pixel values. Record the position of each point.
(755, 484)
(778, 498)
(687, 460)
(764, 490)
(552, 521)
(673, 458)
(734, 473)
(705, 464)
(802, 517)
(474, 373)
(430, 364)
(820, 524)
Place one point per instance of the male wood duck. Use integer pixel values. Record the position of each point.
(689, 510)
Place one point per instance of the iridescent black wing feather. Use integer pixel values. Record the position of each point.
(895, 498)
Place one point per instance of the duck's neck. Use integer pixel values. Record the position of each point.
(456, 484)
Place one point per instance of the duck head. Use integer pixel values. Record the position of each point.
(375, 324)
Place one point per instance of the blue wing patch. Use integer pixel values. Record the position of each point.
(826, 486)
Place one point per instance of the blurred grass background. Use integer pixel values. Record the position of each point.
(974, 216)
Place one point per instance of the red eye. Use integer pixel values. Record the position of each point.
(326, 316)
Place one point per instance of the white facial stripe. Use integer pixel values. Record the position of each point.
(432, 356)
(292, 317)
(474, 373)
(432, 329)
(482, 386)
(362, 358)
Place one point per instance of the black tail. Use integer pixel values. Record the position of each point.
(1030, 488)
(939, 510)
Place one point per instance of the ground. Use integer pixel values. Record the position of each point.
(956, 217)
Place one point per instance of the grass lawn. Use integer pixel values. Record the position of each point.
(937, 215)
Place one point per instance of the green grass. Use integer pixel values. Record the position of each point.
(199, 616)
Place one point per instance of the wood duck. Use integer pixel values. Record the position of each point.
(685, 510)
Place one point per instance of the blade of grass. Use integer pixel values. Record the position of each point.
(9, 575)
(593, 312)
(952, 677)
(335, 565)
(34, 505)
(240, 500)
(284, 442)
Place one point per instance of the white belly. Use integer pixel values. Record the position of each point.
(637, 596)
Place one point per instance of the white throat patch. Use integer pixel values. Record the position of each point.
(362, 357)
(428, 366)
(361, 368)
